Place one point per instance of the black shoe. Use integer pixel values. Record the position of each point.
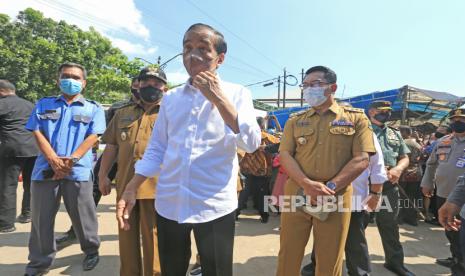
(24, 217)
(196, 270)
(308, 270)
(264, 218)
(66, 239)
(37, 274)
(7, 229)
(399, 270)
(412, 223)
(448, 262)
(433, 222)
(90, 262)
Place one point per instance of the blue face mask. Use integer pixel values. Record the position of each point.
(70, 86)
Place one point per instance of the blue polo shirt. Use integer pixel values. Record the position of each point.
(66, 126)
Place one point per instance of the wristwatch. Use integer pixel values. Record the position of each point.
(75, 159)
(376, 193)
(331, 185)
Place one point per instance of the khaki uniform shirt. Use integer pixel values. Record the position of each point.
(322, 144)
(130, 130)
(443, 166)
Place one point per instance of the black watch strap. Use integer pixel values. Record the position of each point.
(376, 193)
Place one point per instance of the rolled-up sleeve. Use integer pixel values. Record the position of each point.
(150, 164)
(249, 136)
(377, 170)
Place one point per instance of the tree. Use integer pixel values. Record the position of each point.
(32, 47)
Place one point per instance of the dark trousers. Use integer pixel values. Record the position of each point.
(45, 202)
(356, 249)
(259, 187)
(96, 194)
(452, 236)
(386, 220)
(407, 212)
(214, 240)
(10, 168)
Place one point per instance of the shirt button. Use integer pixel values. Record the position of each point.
(320, 143)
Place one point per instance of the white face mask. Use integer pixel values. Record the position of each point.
(315, 96)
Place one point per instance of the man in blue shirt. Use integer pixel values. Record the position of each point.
(65, 128)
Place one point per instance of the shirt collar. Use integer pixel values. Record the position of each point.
(335, 108)
(79, 99)
(188, 85)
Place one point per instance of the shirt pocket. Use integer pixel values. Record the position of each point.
(125, 130)
(48, 121)
(80, 122)
(303, 138)
(341, 135)
(443, 154)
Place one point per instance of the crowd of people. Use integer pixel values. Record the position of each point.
(188, 159)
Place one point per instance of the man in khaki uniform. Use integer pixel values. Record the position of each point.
(323, 150)
(126, 137)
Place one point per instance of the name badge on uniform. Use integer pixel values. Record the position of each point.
(342, 123)
(460, 163)
(124, 136)
(302, 140)
(442, 156)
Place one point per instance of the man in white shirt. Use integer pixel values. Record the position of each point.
(366, 197)
(193, 147)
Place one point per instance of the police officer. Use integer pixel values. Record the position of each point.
(396, 160)
(126, 138)
(445, 164)
(18, 152)
(69, 237)
(65, 127)
(323, 150)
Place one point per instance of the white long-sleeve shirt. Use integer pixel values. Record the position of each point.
(376, 171)
(194, 151)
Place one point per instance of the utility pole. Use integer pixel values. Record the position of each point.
(405, 90)
(302, 89)
(284, 89)
(279, 90)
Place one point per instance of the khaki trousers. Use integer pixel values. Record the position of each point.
(329, 238)
(143, 223)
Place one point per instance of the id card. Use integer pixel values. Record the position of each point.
(460, 162)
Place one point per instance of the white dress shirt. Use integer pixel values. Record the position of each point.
(195, 153)
(376, 171)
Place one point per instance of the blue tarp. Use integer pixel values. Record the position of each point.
(436, 109)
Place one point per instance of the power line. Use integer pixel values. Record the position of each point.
(238, 37)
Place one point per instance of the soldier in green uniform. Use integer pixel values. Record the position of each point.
(396, 161)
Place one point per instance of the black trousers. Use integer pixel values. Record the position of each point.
(407, 212)
(214, 240)
(356, 249)
(259, 187)
(452, 236)
(10, 168)
(388, 227)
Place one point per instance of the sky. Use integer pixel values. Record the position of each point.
(371, 45)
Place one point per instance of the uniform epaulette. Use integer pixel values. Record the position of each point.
(94, 102)
(298, 113)
(353, 109)
(120, 105)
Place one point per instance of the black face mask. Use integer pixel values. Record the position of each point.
(150, 94)
(438, 134)
(458, 126)
(135, 92)
(382, 117)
